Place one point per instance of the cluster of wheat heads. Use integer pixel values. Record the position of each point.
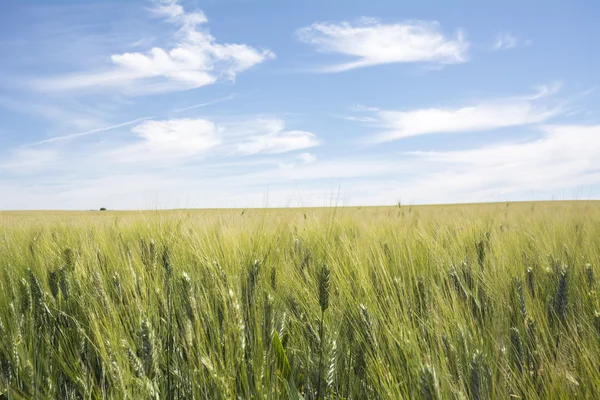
(468, 302)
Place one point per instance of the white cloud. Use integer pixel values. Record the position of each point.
(273, 138)
(506, 41)
(308, 158)
(196, 60)
(305, 158)
(169, 142)
(176, 138)
(336, 168)
(564, 157)
(486, 115)
(561, 159)
(371, 42)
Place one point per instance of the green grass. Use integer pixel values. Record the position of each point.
(435, 302)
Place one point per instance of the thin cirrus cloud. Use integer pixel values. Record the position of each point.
(206, 104)
(485, 115)
(507, 41)
(29, 160)
(89, 132)
(370, 42)
(196, 60)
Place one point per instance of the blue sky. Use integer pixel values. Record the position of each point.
(246, 103)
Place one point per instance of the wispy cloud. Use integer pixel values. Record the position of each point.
(308, 158)
(68, 114)
(371, 42)
(196, 60)
(506, 41)
(485, 115)
(206, 104)
(90, 132)
(28, 160)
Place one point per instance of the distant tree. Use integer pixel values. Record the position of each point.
(103, 209)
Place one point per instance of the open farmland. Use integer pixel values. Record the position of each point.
(434, 302)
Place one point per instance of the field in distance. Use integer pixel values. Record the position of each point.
(478, 301)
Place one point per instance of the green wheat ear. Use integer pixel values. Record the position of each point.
(367, 328)
(64, 282)
(428, 383)
(589, 273)
(481, 252)
(38, 301)
(517, 348)
(283, 364)
(274, 278)
(324, 286)
(117, 288)
(147, 347)
(268, 317)
(561, 296)
(331, 369)
(520, 297)
(476, 376)
(135, 364)
(69, 258)
(530, 282)
(53, 283)
(166, 262)
(25, 296)
(148, 253)
(188, 298)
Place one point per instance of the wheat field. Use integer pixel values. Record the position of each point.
(487, 301)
